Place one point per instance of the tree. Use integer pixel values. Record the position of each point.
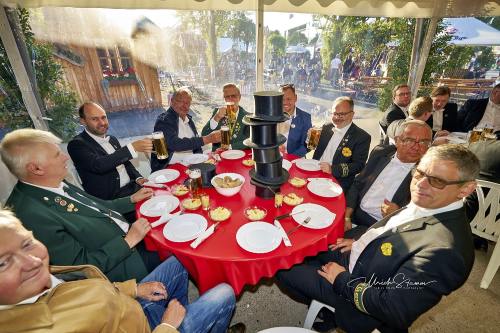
(241, 29)
(277, 43)
(297, 38)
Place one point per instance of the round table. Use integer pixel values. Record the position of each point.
(220, 259)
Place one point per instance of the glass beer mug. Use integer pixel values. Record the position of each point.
(159, 146)
(225, 137)
(195, 183)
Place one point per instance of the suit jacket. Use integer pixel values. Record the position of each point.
(488, 153)
(97, 168)
(89, 303)
(471, 113)
(76, 234)
(404, 272)
(350, 156)
(241, 131)
(378, 160)
(296, 142)
(392, 113)
(168, 123)
(449, 118)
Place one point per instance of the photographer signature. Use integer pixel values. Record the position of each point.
(398, 281)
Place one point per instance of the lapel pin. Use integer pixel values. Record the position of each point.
(292, 125)
(57, 199)
(45, 198)
(62, 202)
(386, 249)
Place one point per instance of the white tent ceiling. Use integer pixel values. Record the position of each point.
(388, 8)
(469, 31)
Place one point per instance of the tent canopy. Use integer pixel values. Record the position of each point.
(470, 31)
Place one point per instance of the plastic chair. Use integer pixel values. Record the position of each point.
(486, 225)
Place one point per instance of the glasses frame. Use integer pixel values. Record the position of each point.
(411, 142)
(441, 183)
(341, 115)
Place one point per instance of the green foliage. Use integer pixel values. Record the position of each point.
(486, 59)
(277, 43)
(296, 38)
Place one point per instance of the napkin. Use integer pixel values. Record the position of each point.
(319, 179)
(151, 184)
(164, 218)
(204, 235)
(286, 240)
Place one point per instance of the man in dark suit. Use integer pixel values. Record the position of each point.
(103, 165)
(76, 227)
(343, 147)
(180, 132)
(384, 184)
(405, 263)
(239, 131)
(401, 96)
(296, 128)
(444, 115)
(480, 112)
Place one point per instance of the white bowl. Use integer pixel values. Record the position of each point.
(228, 192)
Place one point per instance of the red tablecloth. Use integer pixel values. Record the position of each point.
(220, 259)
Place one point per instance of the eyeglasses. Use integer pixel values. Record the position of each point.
(435, 181)
(287, 85)
(403, 94)
(341, 115)
(410, 142)
(231, 96)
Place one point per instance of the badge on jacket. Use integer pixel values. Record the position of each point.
(347, 152)
(386, 249)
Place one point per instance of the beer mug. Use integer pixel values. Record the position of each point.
(225, 137)
(159, 145)
(195, 183)
(475, 135)
(231, 112)
(313, 138)
(487, 132)
(205, 201)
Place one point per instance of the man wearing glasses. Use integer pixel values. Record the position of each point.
(405, 263)
(343, 147)
(401, 96)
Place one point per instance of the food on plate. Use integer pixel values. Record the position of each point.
(220, 214)
(180, 190)
(210, 161)
(248, 162)
(227, 182)
(255, 213)
(191, 203)
(297, 181)
(292, 199)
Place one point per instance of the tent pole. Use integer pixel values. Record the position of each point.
(415, 51)
(424, 54)
(259, 75)
(13, 41)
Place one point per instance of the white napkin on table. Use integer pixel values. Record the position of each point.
(286, 240)
(151, 184)
(164, 218)
(319, 179)
(204, 235)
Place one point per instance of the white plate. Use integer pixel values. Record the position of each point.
(232, 154)
(183, 228)
(307, 165)
(194, 159)
(320, 216)
(452, 139)
(158, 205)
(324, 188)
(258, 237)
(164, 176)
(461, 135)
(286, 164)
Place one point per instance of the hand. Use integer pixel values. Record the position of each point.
(344, 244)
(221, 113)
(143, 145)
(151, 291)
(441, 133)
(325, 167)
(175, 313)
(282, 148)
(347, 224)
(215, 137)
(330, 271)
(137, 231)
(141, 181)
(388, 208)
(142, 194)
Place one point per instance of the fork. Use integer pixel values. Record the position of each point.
(306, 221)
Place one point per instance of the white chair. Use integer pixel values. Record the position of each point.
(486, 225)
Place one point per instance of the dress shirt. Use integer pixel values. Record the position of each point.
(284, 127)
(53, 283)
(335, 63)
(185, 131)
(412, 212)
(405, 110)
(104, 143)
(214, 123)
(333, 144)
(491, 117)
(385, 186)
(437, 120)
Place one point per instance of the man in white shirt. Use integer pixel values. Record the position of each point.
(335, 70)
(405, 263)
(444, 114)
(102, 163)
(481, 112)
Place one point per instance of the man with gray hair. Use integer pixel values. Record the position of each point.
(405, 263)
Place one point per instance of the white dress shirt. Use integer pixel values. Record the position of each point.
(491, 117)
(53, 283)
(104, 143)
(333, 144)
(412, 212)
(335, 63)
(385, 186)
(284, 127)
(437, 119)
(185, 131)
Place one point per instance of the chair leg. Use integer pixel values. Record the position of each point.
(313, 311)
(492, 267)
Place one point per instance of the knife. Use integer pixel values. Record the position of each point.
(281, 217)
(286, 240)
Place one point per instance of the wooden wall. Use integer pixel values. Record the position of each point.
(86, 82)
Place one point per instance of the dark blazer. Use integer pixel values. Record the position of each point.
(168, 123)
(378, 160)
(243, 131)
(488, 153)
(351, 154)
(392, 113)
(471, 113)
(435, 252)
(449, 118)
(296, 142)
(97, 168)
(76, 234)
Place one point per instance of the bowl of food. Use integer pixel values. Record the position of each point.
(220, 214)
(191, 203)
(228, 184)
(255, 213)
(180, 190)
(292, 199)
(248, 162)
(297, 182)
